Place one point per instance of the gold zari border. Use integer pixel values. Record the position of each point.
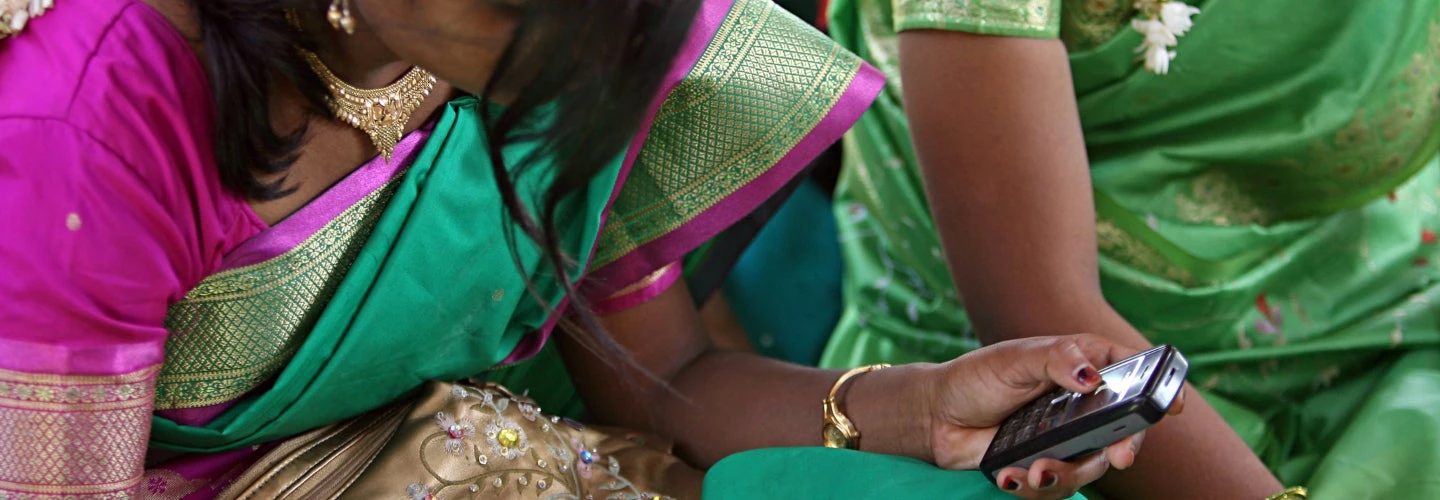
(238, 328)
(764, 82)
(64, 436)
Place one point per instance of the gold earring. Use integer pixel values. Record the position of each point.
(339, 16)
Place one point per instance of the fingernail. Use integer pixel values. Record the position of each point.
(1087, 375)
(1048, 479)
(1011, 485)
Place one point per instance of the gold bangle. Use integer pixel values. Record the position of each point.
(839, 431)
(1291, 493)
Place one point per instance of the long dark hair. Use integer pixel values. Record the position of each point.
(598, 62)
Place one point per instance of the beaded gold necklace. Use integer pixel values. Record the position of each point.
(381, 113)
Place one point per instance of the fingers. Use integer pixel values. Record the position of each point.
(1071, 361)
(1068, 366)
(1012, 480)
(1051, 479)
(1102, 351)
(1123, 453)
(1177, 406)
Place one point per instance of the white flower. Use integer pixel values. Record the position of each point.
(1157, 58)
(1176, 17)
(506, 438)
(457, 431)
(1162, 25)
(529, 411)
(18, 19)
(1156, 33)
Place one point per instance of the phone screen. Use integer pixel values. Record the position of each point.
(1120, 382)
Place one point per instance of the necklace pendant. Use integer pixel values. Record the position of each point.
(381, 113)
(386, 136)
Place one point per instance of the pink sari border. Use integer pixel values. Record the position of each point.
(199, 416)
(669, 275)
(290, 232)
(702, 30)
(674, 245)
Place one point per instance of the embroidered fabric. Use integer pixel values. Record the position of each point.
(66, 435)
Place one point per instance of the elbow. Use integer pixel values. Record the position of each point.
(1040, 314)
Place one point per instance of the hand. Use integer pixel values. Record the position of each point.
(971, 395)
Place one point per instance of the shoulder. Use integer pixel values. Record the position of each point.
(114, 69)
(765, 82)
(763, 95)
(82, 47)
(112, 78)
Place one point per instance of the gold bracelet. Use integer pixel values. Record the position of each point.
(1291, 493)
(839, 431)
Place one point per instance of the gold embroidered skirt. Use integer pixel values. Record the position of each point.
(467, 441)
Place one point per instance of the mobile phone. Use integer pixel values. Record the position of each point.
(1134, 394)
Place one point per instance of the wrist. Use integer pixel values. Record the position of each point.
(892, 410)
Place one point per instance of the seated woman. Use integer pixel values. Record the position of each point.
(1261, 189)
(214, 286)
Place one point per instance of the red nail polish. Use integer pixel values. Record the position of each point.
(1011, 485)
(1087, 375)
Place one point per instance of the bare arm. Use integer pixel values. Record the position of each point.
(711, 391)
(998, 137)
(715, 403)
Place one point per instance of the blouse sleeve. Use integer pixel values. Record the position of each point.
(110, 209)
(1020, 18)
(89, 258)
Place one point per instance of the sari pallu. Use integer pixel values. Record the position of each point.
(1268, 206)
(431, 263)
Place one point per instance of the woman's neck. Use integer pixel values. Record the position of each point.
(360, 59)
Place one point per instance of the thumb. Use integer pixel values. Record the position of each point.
(1062, 362)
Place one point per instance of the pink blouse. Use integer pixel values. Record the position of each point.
(111, 209)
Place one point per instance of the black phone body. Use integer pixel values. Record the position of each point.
(1136, 393)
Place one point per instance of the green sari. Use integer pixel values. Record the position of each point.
(414, 282)
(1268, 207)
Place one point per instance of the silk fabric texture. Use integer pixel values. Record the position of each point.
(1269, 207)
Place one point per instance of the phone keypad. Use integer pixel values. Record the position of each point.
(1029, 420)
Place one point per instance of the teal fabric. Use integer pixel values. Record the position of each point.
(798, 473)
(785, 289)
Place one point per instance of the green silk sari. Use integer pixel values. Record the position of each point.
(414, 282)
(1269, 207)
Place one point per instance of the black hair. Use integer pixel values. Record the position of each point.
(598, 62)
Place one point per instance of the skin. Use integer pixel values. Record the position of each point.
(724, 328)
(681, 385)
(1004, 157)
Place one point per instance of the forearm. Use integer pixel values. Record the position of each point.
(1217, 463)
(726, 402)
(1005, 158)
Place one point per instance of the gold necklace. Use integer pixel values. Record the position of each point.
(381, 113)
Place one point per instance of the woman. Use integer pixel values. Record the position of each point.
(216, 287)
(1263, 198)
